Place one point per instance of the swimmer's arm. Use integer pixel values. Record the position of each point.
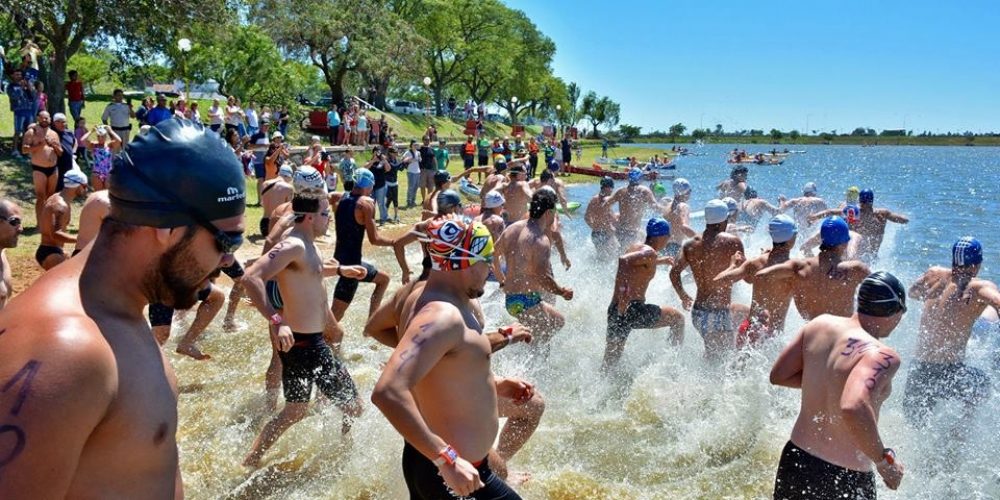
(787, 369)
(785, 270)
(685, 214)
(368, 208)
(989, 295)
(647, 256)
(381, 326)
(822, 214)
(116, 140)
(557, 240)
(924, 287)
(869, 379)
(894, 217)
(54, 403)
(675, 275)
(499, 259)
(58, 231)
(809, 245)
(736, 272)
(428, 338)
(85, 140)
(266, 268)
(399, 248)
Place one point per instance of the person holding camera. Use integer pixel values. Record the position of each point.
(379, 165)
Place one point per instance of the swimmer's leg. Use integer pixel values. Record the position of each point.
(272, 378)
(53, 260)
(738, 313)
(718, 342)
(522, 420)
(673, 319)
(289, 415)
(207, 311)
(381, 282)
(235, 295)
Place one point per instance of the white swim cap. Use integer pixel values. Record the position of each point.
(681, 187)
(74, 178)
(285, 170)
(716, 211)
(308, 183)
(731, 205)
(493, 199)
(809, 188)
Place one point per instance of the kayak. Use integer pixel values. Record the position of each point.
(469, 189)
(598, 171)
(572, 206)
(765, 161)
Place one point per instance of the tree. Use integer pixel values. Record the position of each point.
(676, 130)
(794, 135)
(699, 134)
(93, 68)
(629, 131)
(860, 131)
(599, 111)
(530, 79)
(718, 129)
(62, 27)
(776, 135)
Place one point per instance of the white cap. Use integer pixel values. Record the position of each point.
(493, 199)
(809, 188)
(58, 117)
(716, 211)
(681, 187)
(74, 178)
(308, 183)
(316, 138)
(731, 205)
(277, 135)
(285, 170)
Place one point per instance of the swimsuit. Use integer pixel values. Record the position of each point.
(601, 239)
(46, 171)
(518, 303)
(929, 383)
(162, 315)
(274, 295)
(311, 361)
(424, 482)
(102, 162)
(752, 332)
(804, 476)
(44, 251)
(709, 321)
(265, 224)
(350, 237)
(637, 316)
(346, 287)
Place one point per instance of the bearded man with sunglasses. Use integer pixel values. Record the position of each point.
(84, 381)
(10, 229)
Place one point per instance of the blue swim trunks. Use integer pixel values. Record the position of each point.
(518, 303)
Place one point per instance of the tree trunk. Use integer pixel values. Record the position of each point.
(438, 99)
(381, 89)
(57, 81)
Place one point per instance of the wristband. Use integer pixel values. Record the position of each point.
(508, 335)
(276, 319)
(447, 455)
(888, 456)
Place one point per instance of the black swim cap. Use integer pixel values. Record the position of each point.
(177, 174)
(546, 175)
(542, 201)
(881, 295)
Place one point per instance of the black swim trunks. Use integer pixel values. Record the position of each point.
(264, 226)
(425, 482)
(638, 315)
(601, 239)
(311, 361)
(804, 476)
(47, 171)
(347, 287)
(44, 251)
(162, 315)
(929, 383)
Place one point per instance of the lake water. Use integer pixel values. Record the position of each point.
(677, 427)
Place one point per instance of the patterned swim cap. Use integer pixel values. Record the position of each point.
(456, 243)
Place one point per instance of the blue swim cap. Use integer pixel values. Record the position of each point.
(834, 232)
(657, 226)
(966, 252)
(866, 196)
(782, 228)
(634, 175)
(364, 178)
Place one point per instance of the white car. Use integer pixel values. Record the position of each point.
(406, 107)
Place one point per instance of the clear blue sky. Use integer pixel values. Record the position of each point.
(782, 64)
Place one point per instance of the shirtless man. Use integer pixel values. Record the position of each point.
(274, 192)
(804, 206)
(88, 383)
(871, 224)
(547, 178)
(752, 209)
(678, 214)
(708, 255)
(387, 327)
(854, 246)
(42, 144)
(845, 374)
(497, 179)
(518, 194)
(491, 214)
(824, 284)
(633, 202)
(437, 389)
(94, 210)
(771, 296)
(448, 202)
(628, 310)
(524, 250)
(602, 220)
(54, 224)
(953, 300)
(306, 359)
(736, 184)
(355, 218)
(10, 230)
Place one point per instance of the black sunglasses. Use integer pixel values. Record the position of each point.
(13, 220)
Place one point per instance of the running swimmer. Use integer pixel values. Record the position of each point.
(547, 178)
(602, 220)
(854, 247)
(633, 201)
(628, 310)
(94, 210)
(871, 224)
(708, 255)
(518, 194)
(678, 214)
(355, 218)
(448, 202)
(845, 374)
(497, 179)
(524, 250)
(437, 389)
(736, 184)
(306, 359)
(491, 214)
(55, 221)
(804, 206)
(10, 230)
(824, 284)
(752, 209)
(95, 405)
(771, 296)
(953, 301)
(274, 192)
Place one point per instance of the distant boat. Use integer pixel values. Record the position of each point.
(597, 170)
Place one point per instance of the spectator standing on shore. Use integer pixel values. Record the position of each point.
(216, 116)
(333, 121)
(142, 113)
(119, 115)
(74, 92)
(283, 118)
(156, 115)
(22, 102)
(253, 121)
(412, 160)
(234, 115)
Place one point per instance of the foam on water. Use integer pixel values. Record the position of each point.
(671, 425)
